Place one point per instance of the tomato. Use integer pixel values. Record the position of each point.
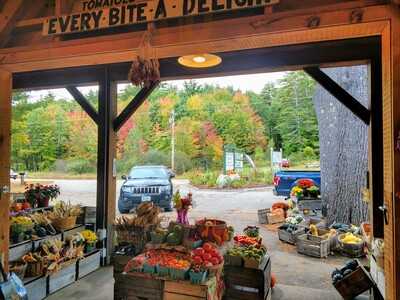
(18, 207)
(208, 264)
(207, 257)
(208, 247)
(198, 260)
(214, 261)
(26, 205)
(199, 251)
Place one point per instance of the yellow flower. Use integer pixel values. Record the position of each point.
(89, 236)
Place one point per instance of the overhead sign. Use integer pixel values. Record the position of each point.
(101, 14)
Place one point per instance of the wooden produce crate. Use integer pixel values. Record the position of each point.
(18, 250)
(333, 240)
(135, 286)
(62, 278)
(290, 238)
(184, 290)
(313, 247)
(36, 287)
(119, 262)
(245, 283)
(351, 250)
(72, 231)
(265, 216)
(355, 283)
(88, 264)
(37, 243)
(309, 204)
(88, 215)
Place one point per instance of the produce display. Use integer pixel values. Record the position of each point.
(244, 240)
(350, 267)
(147, 214)
(314, 232)
(21, 228)
(294, 219)
(305, 188)
(256, 252)
(212, 230)
(350, 238)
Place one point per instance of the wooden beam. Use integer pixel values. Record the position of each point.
(339, 93)
(84, 103)
(222, 36)
(5, 147)
(8, 18)
(136, 102)
(106, 178)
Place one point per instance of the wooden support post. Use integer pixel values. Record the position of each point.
(106, 177)
(339, 93)
(136, 102)
(5, 151)
(83, 102)
(376, 144)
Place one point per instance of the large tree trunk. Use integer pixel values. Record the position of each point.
(343, 147)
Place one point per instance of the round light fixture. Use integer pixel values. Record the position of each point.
(200, 60)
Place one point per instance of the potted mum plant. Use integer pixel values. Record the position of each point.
(40, 195)
(90, 240)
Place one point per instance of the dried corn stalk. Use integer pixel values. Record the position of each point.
(144, 71)
(145, 68)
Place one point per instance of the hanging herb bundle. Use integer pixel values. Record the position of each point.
(145, 68)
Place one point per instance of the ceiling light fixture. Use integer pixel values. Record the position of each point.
(200, 60)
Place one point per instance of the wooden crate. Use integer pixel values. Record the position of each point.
(36, 287)
(333, 240)
(62, 278)
(244, 283)
(89, 264)
(119, 262)
(290, 238)
(72, 231)
(88, 215)
(183, 290)
(137, 286)
(313, 247)
(355, 283)
(37, 243)
(265, 216)
(18, 250)
(309, 204)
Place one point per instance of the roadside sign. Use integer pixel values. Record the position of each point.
(233, 159)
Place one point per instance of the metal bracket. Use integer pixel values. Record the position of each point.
(384, 210)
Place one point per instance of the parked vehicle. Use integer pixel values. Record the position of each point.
(285, 180)
(13, 175)
(146, 183)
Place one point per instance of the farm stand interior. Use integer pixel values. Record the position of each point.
(38, 52)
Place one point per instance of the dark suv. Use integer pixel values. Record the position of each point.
(146, 183)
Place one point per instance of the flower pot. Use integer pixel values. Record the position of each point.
(89, 248)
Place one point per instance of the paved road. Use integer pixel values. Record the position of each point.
(206, 201)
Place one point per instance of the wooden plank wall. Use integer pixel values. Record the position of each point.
(5, 141)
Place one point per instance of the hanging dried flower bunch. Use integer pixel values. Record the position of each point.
(145, 68)
(144, 71)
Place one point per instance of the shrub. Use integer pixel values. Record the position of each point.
(80, 166)
(155, 157)
(309, 153)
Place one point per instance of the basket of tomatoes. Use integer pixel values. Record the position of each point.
(209, 257)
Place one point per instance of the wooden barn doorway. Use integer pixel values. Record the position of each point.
(285, 49)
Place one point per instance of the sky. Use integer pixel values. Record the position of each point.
(254, 82)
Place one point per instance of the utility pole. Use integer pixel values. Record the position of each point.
(172, 123)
